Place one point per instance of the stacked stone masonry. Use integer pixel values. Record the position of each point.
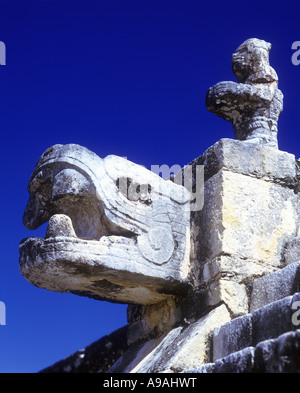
(268, 339)
(248, 221)
(265, 340)
(249, 343)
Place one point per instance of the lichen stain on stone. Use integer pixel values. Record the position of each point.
(230, 218)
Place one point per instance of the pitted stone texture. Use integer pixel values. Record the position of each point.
(292, 251)
(265, 323)
(250, 214)
(279, 355)
(233, 336)
(207, 368)
(226, 279)
(244, 217)
(254, 104)
(181, 349)
(116, 230)
(233, 294)
(260, 161)
(275, 286)
(272, 320)
(233, 268)
(142, 356)
(152, 320)
(240, 362)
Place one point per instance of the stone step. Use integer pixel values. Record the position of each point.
(244, 343)
(265, 323)
(279, 355)
(275, 286)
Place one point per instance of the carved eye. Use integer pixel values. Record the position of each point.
(134, 191)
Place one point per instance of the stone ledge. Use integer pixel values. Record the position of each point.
(175, 351)
(292, 251)
(248, 330)
(249, 159)
(279, 355)
(275, 286)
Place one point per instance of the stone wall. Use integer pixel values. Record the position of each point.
(263, 341)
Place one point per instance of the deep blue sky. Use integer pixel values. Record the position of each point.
(118, 77)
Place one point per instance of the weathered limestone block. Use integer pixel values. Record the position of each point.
(245, 205)
(207, 368)
(272, 320)
(191, 346)
(238, 362)
(181, 349)
(233, 336)
(246, 217)
(240, 234)
(260, 161)
(138, 356)
(232, 268)
(152, 320)
(267, 358)
(249, 216)
(265, 355)
(278, 355)
(116, 230)
(232, 293)
(275, 286)
(292, 251)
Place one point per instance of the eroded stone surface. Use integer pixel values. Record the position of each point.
(180, 350)
(292, 251)
(233, 336)
(254, 104)
(256, 160)
(275, 286)
(246, 217)
(116, 230)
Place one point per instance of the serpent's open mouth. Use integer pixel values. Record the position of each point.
(67, 197)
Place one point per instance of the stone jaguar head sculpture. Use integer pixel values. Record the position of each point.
(116, 231)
